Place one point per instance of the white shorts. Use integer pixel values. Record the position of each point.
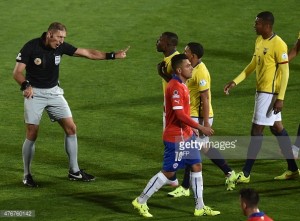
(52, 100)
(203, 138)
(263, 109)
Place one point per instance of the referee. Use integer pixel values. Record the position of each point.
(39, 59)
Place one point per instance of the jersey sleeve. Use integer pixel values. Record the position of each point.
(281, 53)
(202, 80)
(299, 35)
(24, 54)
(68, 49)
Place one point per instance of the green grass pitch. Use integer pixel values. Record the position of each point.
(117, 106)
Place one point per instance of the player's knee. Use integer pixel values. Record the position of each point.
(31, 132)
(71, 130)
(275, 131)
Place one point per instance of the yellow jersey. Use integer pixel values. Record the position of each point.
(269, 53)
(168, 65)
(199, 82)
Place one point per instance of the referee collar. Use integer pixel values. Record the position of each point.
(43, 40)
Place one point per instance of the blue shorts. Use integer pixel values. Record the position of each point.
(176, 156)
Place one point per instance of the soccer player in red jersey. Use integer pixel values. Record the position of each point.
(179, 141)
(249, 199)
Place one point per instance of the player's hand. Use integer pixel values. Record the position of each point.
(208, 131)
(278, 105)
(196, 132)
(122, 53)
(28, 92)
(228, 86)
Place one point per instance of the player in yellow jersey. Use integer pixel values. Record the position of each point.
(270, 61)
(292, 54)
(167, 44)
(201, 111)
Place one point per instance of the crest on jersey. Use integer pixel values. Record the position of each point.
(175, 94)
(202, 82)
(57, 59)
(37, 61)
(175, 165)
(265, 51)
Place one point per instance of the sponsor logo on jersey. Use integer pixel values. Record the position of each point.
(265, 51)
(175, 94)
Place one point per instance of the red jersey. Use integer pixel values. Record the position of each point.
(260, 216)
(177, 97)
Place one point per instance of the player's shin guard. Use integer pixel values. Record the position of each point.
(186, 178)
(216, 157)
(154, 184)
(253, 149)
(297, 142)
(197, 185)
(285, 145)
(28, 151)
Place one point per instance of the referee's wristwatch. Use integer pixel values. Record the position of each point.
(25, 85)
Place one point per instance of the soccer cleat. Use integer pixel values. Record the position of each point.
(81, 176)
(241, 178)
(288, 175)
(142, 208)
(28, 181)
(230, 181)
(206, 211)
(179, 191)
(295, 150)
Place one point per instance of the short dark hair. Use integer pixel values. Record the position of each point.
(250, 197)
(172, 38)
(267, 17)
(196, 48)
(57, 26)
(177, 60)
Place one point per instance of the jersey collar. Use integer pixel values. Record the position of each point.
(174, 76)
(43, 40)
(258, 214)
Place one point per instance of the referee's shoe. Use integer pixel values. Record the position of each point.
(81, 176)
(28, 181)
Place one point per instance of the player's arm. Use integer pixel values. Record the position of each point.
(20, 79)
(162, 71)
(242, 76)
(294, 51)
(204, 95)
(190, 122)
(99, 55)
(283, 68)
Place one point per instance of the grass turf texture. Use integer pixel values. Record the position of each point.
(117, 106)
